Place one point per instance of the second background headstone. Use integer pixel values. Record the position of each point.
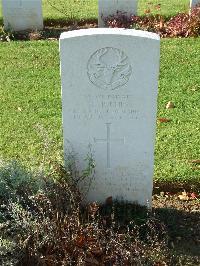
(19, 15)
(193, 3)
(111, 7)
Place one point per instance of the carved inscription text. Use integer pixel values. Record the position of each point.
(101, 107)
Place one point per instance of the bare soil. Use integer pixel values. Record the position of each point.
(177, 205)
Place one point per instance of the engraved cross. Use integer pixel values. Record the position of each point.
(108, 141)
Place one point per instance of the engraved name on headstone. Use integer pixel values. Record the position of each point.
(111, 7)
(109, 94)
(21, 15)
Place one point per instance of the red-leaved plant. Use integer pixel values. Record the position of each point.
(180, 25)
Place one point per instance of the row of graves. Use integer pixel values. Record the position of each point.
(19, 15)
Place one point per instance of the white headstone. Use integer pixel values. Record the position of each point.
(22, 14)
(193, 3)
(111, 7)
(109, 94)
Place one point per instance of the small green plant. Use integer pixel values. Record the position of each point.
(50, 226)
(36, 209)
(16, 182)
(6, 35)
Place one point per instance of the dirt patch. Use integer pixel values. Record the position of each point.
(181, 215)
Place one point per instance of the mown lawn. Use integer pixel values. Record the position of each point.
(178, 141)
(167, 7)
(30, 94)
(87, 9)
(30, 98)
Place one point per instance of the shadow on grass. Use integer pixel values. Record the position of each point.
(51, 22)
(183, 230)
(181, 222)
(190, 185)
(52, 29)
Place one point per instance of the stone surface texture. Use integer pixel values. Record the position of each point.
(193, 3)
(19, 15)
(111, 7)
(109, 95)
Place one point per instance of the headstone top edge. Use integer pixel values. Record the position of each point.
(109, 31)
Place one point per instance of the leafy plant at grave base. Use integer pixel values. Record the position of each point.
(28, 212)
(184, 25)
(148, 22)
(6, 35)
(9, 35)
(181, 25)
(16, 182)
(154, 23)
(50, 226)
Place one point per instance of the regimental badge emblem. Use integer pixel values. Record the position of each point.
(109, 68)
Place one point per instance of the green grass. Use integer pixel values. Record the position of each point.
(178, 141)
(29, 82)
(30, 95)
(168, 7)
(87, 9)
(78, 9)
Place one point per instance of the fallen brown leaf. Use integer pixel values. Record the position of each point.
(196, 167)
(164, 120)
(193, 195)
(93, 208)
(183, 196)
(80, 241)
(92, 261)
(170, 105)
(195, 161)
(147, 11)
